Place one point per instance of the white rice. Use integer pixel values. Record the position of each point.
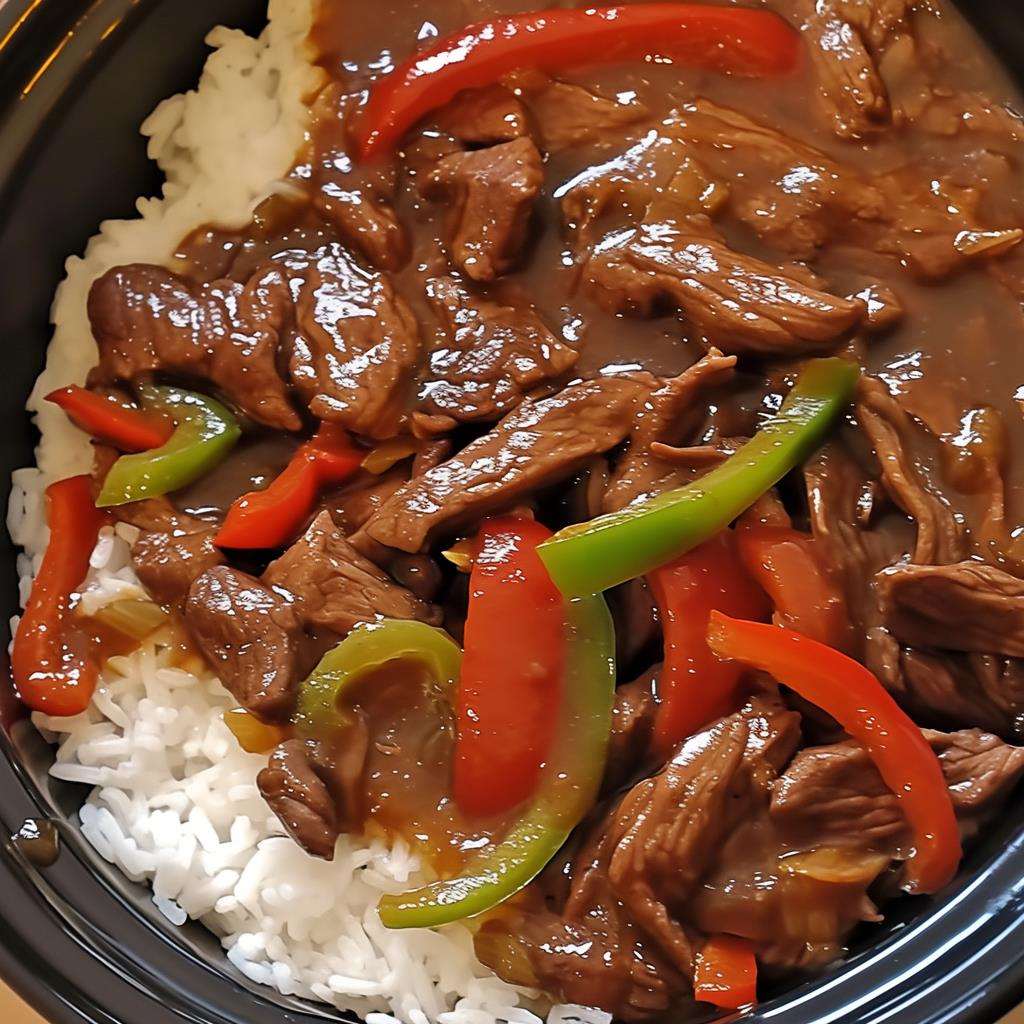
(175, 803)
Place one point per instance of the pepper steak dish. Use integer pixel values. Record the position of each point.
(595, 467)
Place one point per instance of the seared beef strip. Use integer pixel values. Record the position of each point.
(492, 191)
(334, 587)
(147, 319)
(632, 725)
(493, 355)
(484, 117)
(250, 636)
(299, 798)
(539, 444)
(168, 563)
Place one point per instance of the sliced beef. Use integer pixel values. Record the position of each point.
(334, 587)
(890, 431)
(250, 636)
(492, 357)
(740, 303)
(355, 503)
(538, 444)
(169, 562)
(146, 319)
(492, 192)
(357, 198)
(632, 725)
(484, 117)
(968, 606)
(667, 416)
(299, 798)
(568, 115)
(356, 343)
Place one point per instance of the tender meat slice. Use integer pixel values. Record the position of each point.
(846, 39)
(632, 723)
(637, 630)
(889, 429)
(484, 117)
(791, 194)
(568, 115)
(168, 563)
(249, 635)
(977, 689)
(968, 606)
(492, 192)
(740, 303)
(334, 587)
(356, 198)
(493, 357)
(538, 444)
(146, 319)
(357, 343)
(353, 505)
(300, 799)
(668, 416)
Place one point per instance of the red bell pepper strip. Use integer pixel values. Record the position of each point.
(272, 517)
(787, 565)
(512, 669)
(695, 687)
(725, 973)
(103, 417)
(859, 703)
(52, 673)
(740, 40)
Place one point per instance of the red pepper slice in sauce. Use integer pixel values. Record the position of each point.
(733, 39)
(725, 973)
(695, 687)
(271, 518)
(861, 705)
(52, 670)
(512, 669)
(124, 427)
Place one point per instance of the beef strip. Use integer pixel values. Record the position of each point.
(356, 345)
(740, 303)
(352, 505)
(632, 724)
(492, 192)
(299, 798)
(334, 587)
(169, 562)
(250, 635)
(968, 606)
(146, 319)
(538, 444)
(668, 415)
(889, 429)
(484, 117)
(492, 356)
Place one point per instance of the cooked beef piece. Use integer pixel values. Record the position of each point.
(353, 504)
(357, 198)
(632, 724)
(668, 415)
(492, 356)
(300, 799)
(968, 606)
(637, 631)
(956, 689)
(833, 796)
(419, 574)
(356, 344)
(890, 430)
(484, 117)
(538, 444)
(168, 563)
(568, 115)
(250, 636)
(334, 587)
(492, 193)
(791, 194)
(740, 303)
(847, 39)
(146, 319)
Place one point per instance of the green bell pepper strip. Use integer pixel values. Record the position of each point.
(567, 790)
(320, 709)
(205, 432)
(592, 557)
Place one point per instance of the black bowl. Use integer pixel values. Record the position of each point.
(79, 942)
